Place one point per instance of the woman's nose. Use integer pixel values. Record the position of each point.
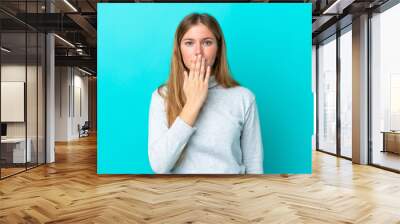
(199, 49)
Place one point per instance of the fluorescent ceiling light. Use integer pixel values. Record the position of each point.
(329, 9)
(84, 71)
(64, 40)
(70, 5)
(338, 6)
(5, 49)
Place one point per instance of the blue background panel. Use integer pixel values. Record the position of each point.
(269, 51)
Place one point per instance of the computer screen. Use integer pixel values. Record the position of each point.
(3, 129)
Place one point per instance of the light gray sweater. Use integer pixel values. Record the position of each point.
(225, 139)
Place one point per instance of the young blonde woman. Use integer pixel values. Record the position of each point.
(201, 121)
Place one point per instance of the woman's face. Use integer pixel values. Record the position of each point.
(199, 40)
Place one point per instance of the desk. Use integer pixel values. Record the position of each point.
(17, 150)
(391, 141)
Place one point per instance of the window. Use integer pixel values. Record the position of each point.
(385, 88)
(327, 95)
(346, 93)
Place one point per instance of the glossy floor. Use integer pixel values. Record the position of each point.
(70, 191)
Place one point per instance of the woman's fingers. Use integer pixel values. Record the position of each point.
(202, 69)
(197, 67)
(196, 81)
(208, 73)
(192, 67)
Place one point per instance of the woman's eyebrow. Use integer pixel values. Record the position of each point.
(202, 39)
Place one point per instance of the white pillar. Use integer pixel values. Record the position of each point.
(50, 92)
(360, 90)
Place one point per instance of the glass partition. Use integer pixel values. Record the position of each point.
(14, 153)
(22, 77)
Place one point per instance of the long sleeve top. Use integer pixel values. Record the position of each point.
(225, 139)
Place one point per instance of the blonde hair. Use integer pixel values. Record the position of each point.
(174, 95)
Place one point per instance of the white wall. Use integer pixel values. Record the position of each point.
(62, 81)
(81, 84)
(71, 94)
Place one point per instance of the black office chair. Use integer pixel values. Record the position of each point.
(84, 130)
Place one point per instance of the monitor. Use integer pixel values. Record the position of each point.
(3, 129)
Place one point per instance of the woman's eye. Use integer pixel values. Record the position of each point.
(188, 43)
(208, 43)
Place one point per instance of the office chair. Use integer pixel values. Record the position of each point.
(84, 130)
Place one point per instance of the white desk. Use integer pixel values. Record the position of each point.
(19, 149)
